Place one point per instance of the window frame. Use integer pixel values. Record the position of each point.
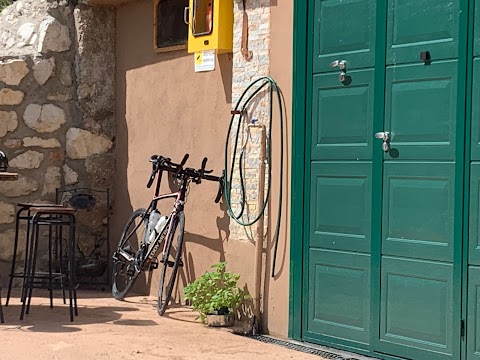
(155, 33)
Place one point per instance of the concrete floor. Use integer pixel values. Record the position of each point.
(131, 329)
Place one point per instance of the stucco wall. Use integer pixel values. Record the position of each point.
(164, 107)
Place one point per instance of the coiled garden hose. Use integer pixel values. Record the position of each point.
(240, 109)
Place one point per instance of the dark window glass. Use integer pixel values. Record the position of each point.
(171, 29)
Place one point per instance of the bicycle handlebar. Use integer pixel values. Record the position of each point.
(160, 163)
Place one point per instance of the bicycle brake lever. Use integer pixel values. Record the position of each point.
(202, 169)
(220, 188)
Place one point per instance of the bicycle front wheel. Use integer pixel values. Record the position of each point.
(125, 270)
(171, 260)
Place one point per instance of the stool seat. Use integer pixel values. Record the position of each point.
(30, 205)
(58, 210)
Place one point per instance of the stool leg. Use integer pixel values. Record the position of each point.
(28, 251)
(14, 259)
(74, 268)
(29, 267)
(71, 272)
(35, 235)
(60, 245)
(50, 260)
(2, 319)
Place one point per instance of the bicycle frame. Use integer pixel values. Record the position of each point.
(178, 206)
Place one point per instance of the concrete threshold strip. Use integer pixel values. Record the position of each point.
(326, 353)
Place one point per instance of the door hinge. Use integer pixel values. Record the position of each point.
(462, 328)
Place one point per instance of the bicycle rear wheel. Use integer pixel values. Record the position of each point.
(171, 260)
(125, 270)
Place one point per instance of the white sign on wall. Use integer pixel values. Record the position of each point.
(205, 60)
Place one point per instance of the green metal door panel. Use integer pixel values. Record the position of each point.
(474, 215)
(339, 295)
(473, 314)
(343, 30)
(340, 205)
(416, 314)
(416, 26)
(475, 133)
(418, 210)
(420, 111)
(342, 117)
(476, 31)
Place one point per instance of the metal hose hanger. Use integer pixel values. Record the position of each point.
(241, 106)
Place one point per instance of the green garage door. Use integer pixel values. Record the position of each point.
(384, 249)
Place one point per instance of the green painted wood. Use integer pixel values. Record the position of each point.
(476, 31)
(417, 314)
(421, 111)
(343, 30)
(339, 285)
(340, 208)
(475, 133)
(342, 116)
(418, 210)
(474, 215)
(422, 25)
(300, 39)
(473, 315)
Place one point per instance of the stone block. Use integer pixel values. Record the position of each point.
(13, 71)
(81, 144)
(53, 36)
(20, 187)
(11, 97)
(28, 160)
(44, 119)
(43, 69)
(7, 213)
(39, 142)
(8, 122)
(53, 179)
(70, 176)
(7, 241)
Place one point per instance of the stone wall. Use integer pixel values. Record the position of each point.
(244, 72)
(56, 112)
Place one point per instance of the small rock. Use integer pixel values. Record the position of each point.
(43, 69)
(44, 119)
(43, 143)
(28, 160)
(53, 36)
(13, 71)
(70, 177)
(8, 122)
(82, 144)
(11, 97)
(12, 143)
(53, 180)
(15, 188)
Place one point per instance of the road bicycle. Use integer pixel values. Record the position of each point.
(138, 249)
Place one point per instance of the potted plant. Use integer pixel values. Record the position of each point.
(216, 296)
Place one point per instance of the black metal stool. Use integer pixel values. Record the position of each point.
(23, 208)
(57, 217)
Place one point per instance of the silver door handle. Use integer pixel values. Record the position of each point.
(342, 64)
(385, 137)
